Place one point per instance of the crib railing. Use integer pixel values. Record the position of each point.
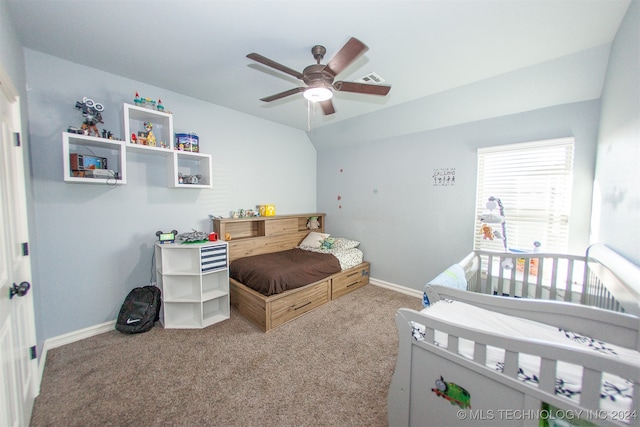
(540, 276)
(613, 282)
(587, 280)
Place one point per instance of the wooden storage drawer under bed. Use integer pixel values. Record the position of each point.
(349, 280)
(275, 310)
(291, 306)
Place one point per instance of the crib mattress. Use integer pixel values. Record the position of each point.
(616, 392)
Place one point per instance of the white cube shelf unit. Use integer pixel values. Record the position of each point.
(134, 119)
(185, 162)
(189, 164)
(91, 147)
(194, 280)
(178, 162)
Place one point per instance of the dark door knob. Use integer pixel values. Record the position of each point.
(20, 290)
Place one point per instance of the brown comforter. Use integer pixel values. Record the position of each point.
(277, 272)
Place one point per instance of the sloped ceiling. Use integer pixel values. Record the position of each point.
(421, 48)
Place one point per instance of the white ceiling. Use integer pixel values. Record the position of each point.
(419, 47)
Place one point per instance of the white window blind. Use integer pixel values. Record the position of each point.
(533, 181)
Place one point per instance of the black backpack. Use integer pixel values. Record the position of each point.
(140, 310)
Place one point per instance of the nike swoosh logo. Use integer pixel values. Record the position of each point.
(130, 321)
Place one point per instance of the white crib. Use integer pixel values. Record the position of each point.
(446, 373)
(601, 278)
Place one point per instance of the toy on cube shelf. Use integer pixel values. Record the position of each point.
(92, 113)
(193, 237)
(149, 103)
(188, 179)
(151, 138)
(187, 142)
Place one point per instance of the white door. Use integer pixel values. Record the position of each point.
(19, 381)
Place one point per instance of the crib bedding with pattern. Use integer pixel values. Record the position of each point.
(474, 359)
(616, 392)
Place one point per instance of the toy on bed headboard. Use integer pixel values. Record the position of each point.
(313, 223)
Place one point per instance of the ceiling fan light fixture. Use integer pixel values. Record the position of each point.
(317, 94)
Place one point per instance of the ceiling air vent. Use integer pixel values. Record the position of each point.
(371, 78)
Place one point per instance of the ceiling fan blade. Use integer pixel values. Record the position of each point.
(273, 64)
(327, 107)
(283, 94)
(345, 56)
(361, 88)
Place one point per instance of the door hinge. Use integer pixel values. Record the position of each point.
(17, 137)
(33, 352)
(25, 249)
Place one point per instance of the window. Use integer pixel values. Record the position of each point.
(533, 182)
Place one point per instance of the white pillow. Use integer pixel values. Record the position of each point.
(314, 239)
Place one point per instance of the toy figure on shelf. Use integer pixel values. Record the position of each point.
(151, 138)
(107, 134)
(193, 237)
(188, 179)
(91, 111)
(149, 103)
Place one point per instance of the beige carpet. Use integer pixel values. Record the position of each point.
(330, 367)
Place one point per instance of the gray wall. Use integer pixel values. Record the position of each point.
(410, 229)
(92, 243)
(617, 195)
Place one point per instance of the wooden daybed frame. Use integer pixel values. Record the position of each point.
(261, 235)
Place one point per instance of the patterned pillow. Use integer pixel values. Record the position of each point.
(342, 243)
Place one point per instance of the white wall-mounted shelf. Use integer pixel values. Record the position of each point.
(86, 145)
(189, 164)
(185, 162)
(134, 118)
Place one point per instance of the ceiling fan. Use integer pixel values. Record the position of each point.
(319, 78)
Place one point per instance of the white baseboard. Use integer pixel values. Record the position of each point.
(398, 288)
(91, 331)
(70, 337)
